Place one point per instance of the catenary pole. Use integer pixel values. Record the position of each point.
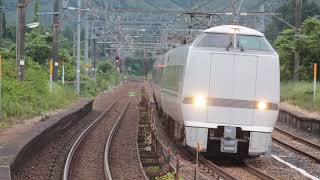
(78, 48)
(298, 20)
(94, 69)
(55, 47)
(86, 44)
(20, 38)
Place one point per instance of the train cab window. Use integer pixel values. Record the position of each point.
(217, 40)
(245, 42)
(253, 43)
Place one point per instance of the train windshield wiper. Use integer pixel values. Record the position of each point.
(240, 46)
(229, 45)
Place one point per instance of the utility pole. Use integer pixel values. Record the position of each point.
(1, 21)
(20, 38)
(74, 43)
(78, 47)
(86, 44)
(94, 69)
(145, 62)
(298, 20)
(55, 47)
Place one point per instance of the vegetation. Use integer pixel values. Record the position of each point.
(24, 99)
(32, 96)
(307, 46)
(287, 10)
(169, 176)
(300, 94)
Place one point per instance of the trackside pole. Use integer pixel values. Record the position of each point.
(51, 74)
(314, 82)
(63, 73)
(0, 87)
(177, 169)
(197, 162)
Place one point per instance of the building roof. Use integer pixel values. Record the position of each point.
(231, 29)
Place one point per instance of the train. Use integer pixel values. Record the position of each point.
(221, 92)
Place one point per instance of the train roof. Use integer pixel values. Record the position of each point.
(230, 29)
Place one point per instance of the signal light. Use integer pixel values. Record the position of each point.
(118, 61)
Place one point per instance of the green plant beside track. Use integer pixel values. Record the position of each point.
(300, 94)
(32, 96)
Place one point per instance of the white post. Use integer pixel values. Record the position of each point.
(63, 73)
(314, 82)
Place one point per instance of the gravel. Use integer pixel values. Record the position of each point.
(296, 159)
(276, 169)
(124, 156)
(88, 161)
(296, 144)
(300, 133)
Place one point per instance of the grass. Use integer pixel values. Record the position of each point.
(30, 97)
(153, 169)
(300, 94)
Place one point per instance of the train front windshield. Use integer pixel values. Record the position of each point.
(246, 42)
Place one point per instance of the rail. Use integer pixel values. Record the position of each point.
(107, 170)
(307, 142)
(75, 146)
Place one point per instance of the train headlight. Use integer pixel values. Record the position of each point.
(262, 105)
(200, 101)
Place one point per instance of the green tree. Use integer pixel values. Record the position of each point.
(38, 46)
(287, 11)
(36, 17)
(307, 46)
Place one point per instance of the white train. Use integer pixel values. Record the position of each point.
(221, 92)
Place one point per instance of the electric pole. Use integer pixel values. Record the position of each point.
(78, 46)
(20, 38)
(298, 20)
(55, 47)
(86, 44)
(94, 58)
(1, 20)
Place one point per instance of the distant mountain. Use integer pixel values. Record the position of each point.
(215, 5)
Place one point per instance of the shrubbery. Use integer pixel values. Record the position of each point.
(24, 99)
(32, 96)
(307, 46)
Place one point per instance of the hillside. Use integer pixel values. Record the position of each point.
(216, 5)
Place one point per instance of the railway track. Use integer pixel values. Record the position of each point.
(226, 170)
(89, 147)
(295, 143)
(244, 171)
(107, 164)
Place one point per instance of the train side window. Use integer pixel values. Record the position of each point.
(172, 78)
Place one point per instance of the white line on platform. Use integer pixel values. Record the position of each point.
(305, 173)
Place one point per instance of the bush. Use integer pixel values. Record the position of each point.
(32, 96)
